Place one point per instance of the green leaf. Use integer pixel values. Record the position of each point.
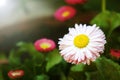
(42, 77)
(108, 69)
(115, 21)
(26, 47)
(108, 21)
(38, 58)
(78, 67)
(29, 48)
(102, 19)
(77, 75)
(13, 59)
(53, 58)
(95, 75)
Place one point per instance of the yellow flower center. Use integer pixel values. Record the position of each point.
(45, 45)
(81, 41)
(65, 14)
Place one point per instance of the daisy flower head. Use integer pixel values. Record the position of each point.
(65, 13)
(73, 2)
(82, 44)
(115, 53)
(44, 45)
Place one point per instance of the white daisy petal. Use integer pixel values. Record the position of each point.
(81, 54)
(67, 50)
(72, 32)
(82, 44)
(88, 54)
(68, 37)
(76, 25)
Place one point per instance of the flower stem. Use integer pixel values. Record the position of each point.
(103, 5)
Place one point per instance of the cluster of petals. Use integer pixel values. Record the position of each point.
(73, 2)
(14, 74)
(115, 53)
(65, 13)
(90, 52)
(44, 45)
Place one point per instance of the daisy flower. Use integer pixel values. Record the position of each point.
(13, 74)
(75, 1)
(65, 13)
(44, 45)
(82, 44)
(115, 53)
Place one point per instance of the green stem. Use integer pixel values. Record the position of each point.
(103, 5)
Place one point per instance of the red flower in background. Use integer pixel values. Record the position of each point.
(75, 1)
(115, 53)
(65, 13)
(13, 74)
(44, 45)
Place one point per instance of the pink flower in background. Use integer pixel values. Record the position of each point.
(65, 13)
(44, 45)
(115, 53)
(75, 1)
(13, 74)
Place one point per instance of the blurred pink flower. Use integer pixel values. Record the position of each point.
(115, 53)
(13, 74)
(44, 45)
(65, 13)
(75, 1)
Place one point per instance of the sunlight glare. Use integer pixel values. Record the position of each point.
(2, 3)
